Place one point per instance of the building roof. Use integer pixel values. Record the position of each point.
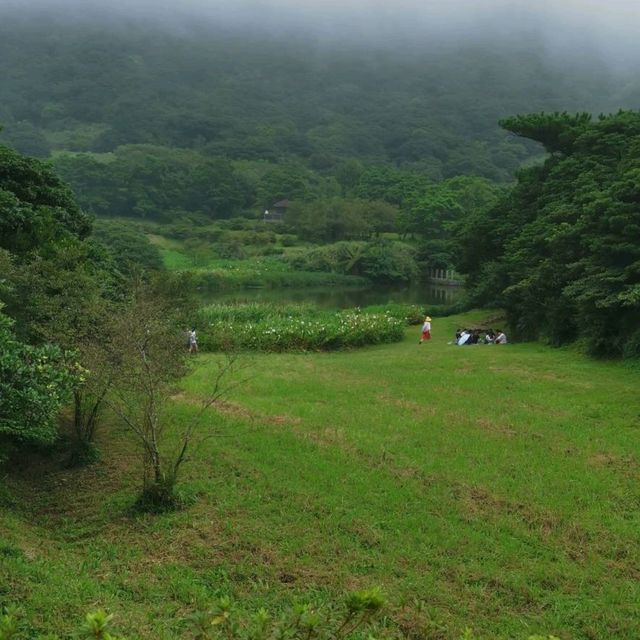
(283, 204)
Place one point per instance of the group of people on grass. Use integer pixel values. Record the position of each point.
(468, 336)
(480, 336)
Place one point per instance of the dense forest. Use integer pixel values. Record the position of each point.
(560, 251)
(215, 122)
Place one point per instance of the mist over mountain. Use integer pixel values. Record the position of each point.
(575, 26)
(419, 87)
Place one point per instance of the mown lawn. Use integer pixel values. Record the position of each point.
(490, 487)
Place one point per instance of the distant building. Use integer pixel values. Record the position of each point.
(276, 212)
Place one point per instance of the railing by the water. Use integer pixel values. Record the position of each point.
(442, 294)
(445, 276)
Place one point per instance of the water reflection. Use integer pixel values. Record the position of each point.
(344, 298)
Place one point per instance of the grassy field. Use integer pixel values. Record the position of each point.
(219, 274)
(490, 487)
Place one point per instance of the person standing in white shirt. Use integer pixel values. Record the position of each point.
(193, 341)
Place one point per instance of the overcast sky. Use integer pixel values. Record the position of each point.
(610, 25)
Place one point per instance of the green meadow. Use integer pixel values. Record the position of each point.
(489, 487)
(213, 273)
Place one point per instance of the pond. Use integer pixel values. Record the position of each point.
(346, 297)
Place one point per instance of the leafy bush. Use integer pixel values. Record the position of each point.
(232, 249)
(632, 346)
(304, 621)
(356, 617)
(379, 261)
(356, 613)
(388, 261)
(34, 384)
(130, 247)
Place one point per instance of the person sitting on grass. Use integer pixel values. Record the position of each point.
(501, 338)
(490, 337)
(426, 330)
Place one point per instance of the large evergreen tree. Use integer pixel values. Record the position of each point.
(561, 252)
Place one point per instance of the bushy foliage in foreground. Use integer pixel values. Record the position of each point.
(34, 384)
(354, 618)
(224, 620)
(267, 327)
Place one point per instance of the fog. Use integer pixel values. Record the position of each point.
(575, 26)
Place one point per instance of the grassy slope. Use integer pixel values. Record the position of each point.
(497, 486)
(251, 272)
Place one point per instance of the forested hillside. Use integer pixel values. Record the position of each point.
(223, 122)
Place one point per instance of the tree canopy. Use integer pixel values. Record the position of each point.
(213, 123)
(37, 207)
(560, 252)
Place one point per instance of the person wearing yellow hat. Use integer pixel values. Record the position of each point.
(426, 330)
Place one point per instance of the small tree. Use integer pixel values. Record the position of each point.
(96, 378)
(149, 357)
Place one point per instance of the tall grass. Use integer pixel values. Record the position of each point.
(410, 313)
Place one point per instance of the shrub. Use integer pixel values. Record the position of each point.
(332, 621)
(380, 261)
(131, 249)
(232, 249)
(632, 346)
(355, 617)
(35, 382)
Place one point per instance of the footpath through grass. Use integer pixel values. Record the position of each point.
(485, 486)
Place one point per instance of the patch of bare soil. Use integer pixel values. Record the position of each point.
(627, 466)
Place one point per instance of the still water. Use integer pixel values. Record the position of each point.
(345, 298)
